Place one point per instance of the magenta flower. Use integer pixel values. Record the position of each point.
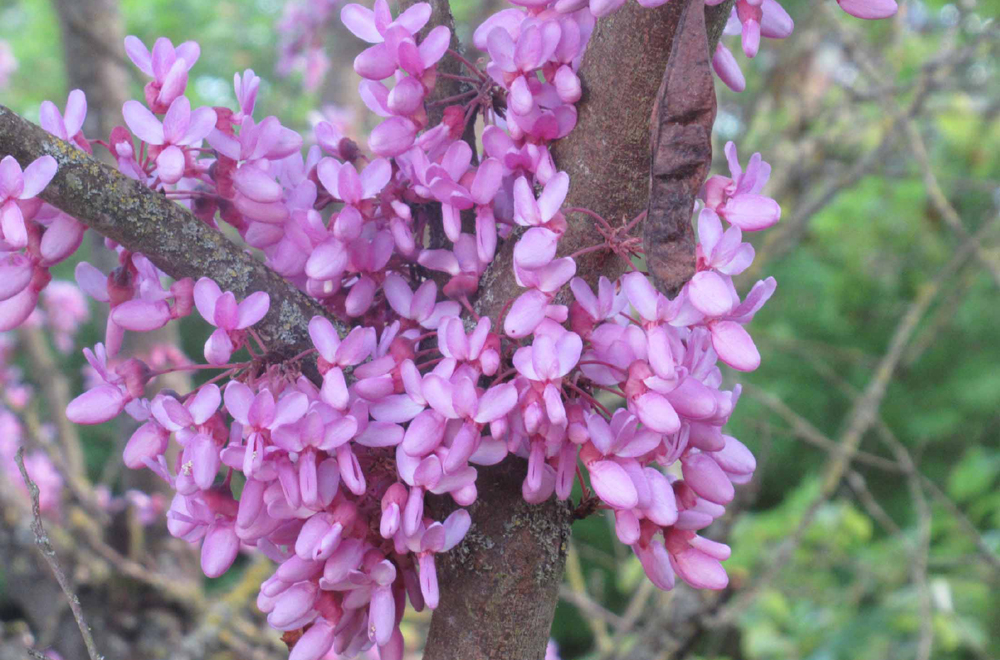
(180, 128)
(268, 140)
(530, 212)
(545, 362)
(67, 126)
(419, 306)
(221, 310)
(168, 66)
(737, 199)
(395, 45)
(246, 87)
(114, 390)
(20, 186)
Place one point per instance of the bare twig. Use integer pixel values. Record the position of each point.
(45, 547)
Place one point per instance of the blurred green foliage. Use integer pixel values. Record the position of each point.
(846, 591)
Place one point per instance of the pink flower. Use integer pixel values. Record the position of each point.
(20, 186)
(114, 390)
(180, 128)
(221, 310)
(418, 306)
(246, 87)
(545, 362)
(530, 212)
(737, 199)
(168, 66)
(268, 140)
(67, 126)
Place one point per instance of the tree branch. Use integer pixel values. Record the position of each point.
(172, 238)
(45, 547)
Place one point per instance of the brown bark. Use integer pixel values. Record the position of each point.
(487, 610)
(607, 156)
(681, 152)
(499, 588)
(177, 242)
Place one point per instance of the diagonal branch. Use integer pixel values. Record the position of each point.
(172, 238)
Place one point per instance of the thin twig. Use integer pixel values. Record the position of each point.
(45, 547)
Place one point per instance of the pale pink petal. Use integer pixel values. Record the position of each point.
(656, 412)
(205, 402)
(735, 458)
(139, 54)
(170, 164)
(219, 550)
(257, 184)
(15, 310)
(525, 314)
(706, 478)
(536, 248)
(374, 177)
(37, 175)
(496, 402)
(142, 122)
(206, 294)
(15, 275)
(96, 406)
(361, 22)
(392, 137)
(141, 315)
(709, 294)
(752, 212)
(734, 346)
(776, 23)
(92, 281)
(252, 310)
(641, 294)
(12, 224)
(435, 45)
(553, 196)
(612, 484)
(568, 349)
(219, 347)
(201, 123)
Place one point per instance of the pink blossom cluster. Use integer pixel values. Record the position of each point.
(338, 480)
(303, 30)
(753, 19)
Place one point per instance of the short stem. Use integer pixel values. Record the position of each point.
(589, 398)
(469, 65)
(588, 250)
(596, 216)
(456, 97)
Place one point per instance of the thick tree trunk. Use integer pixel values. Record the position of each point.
(499, 588)
(92, 36)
